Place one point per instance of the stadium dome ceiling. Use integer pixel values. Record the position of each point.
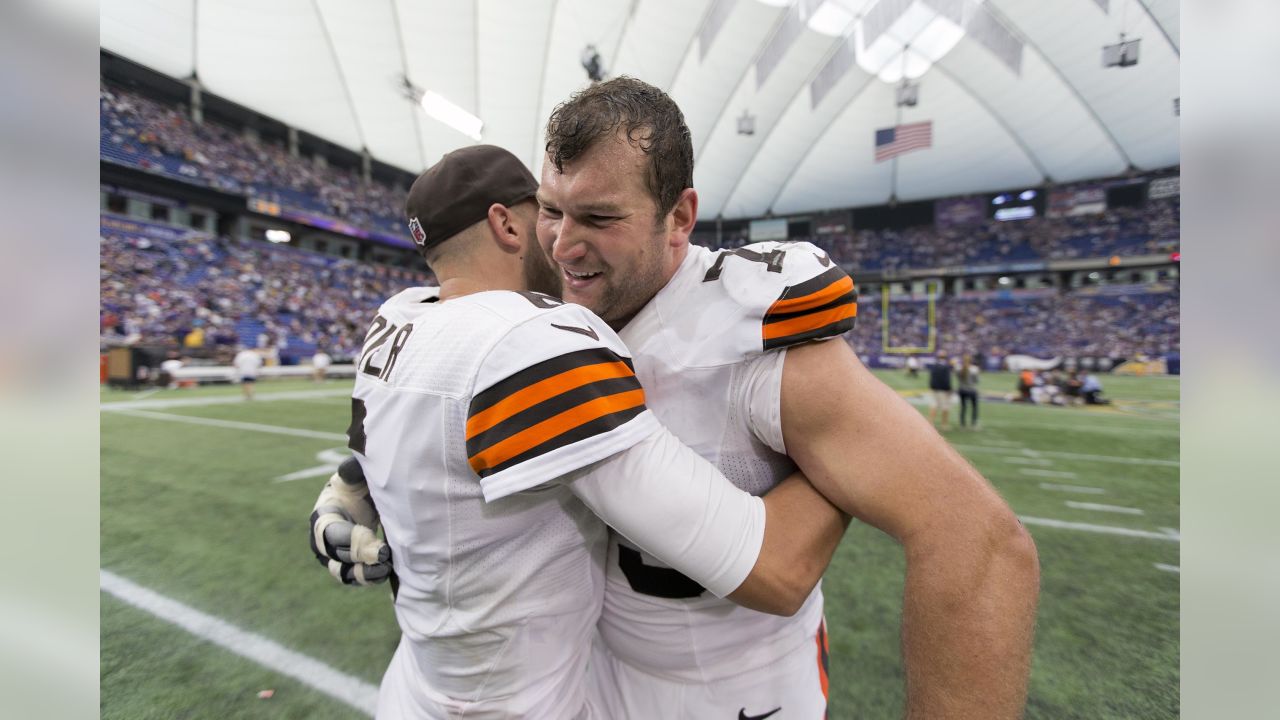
(1015, 89)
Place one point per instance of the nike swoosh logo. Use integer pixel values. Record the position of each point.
(824, 258)
(580, 330)
(742, 714)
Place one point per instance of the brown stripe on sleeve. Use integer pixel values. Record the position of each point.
(555, 403)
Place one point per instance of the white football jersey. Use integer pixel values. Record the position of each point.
(709, 351)
(462, 413)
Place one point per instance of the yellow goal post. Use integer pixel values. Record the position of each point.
(932, 288)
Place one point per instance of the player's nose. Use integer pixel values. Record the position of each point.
(569, 245)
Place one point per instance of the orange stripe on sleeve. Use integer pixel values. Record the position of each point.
(814, 299)
(821, 637)
(812, 321)
(531, 437)
(527, 397)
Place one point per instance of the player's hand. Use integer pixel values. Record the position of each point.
(344, 527)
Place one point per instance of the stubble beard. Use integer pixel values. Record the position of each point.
(540, 274)
(621, 300)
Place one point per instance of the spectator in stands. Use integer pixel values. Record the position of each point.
(967, 384)
(940, 384)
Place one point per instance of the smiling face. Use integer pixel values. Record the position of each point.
(598, 223)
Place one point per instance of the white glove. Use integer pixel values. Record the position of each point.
(344, 529)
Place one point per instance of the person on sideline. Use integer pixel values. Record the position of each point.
(967, 384)
(940, 373)
(247, 363)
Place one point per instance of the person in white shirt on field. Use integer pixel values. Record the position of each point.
(247, 363)
(169, 369)
(320, 363)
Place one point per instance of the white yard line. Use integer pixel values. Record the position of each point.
(1014, 459)
(235, 425)
(1073, 489)
(330, 459)
(1064, 474)
(310, 672)
(1168, 535)
(1104, 508)
(1074, 456)
(221, 400)
(1096, 427)
(1169, 568)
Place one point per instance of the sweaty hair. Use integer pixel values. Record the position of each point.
(648, 117)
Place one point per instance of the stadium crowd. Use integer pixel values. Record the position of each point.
(1136, 321)
(1118, 231)
(138, 131)
(206, 295)
(195, 291)
(160, 290)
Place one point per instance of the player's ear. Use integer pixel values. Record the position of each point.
(683, 217)
(504, 228)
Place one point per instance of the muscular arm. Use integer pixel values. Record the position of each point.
(802, 531)
(675, 505)
(972, 571)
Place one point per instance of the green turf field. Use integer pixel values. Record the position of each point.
(196, 506)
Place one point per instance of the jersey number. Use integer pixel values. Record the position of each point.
(381, 331)
(771, 258)
(655, 581)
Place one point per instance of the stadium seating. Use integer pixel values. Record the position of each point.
(142, 133)
(1118, 231)
(158, 283)
(1112, 321)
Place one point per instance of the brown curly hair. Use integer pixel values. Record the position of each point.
(651, 121)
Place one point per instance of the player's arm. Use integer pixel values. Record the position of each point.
(972, 571)
(766, 554)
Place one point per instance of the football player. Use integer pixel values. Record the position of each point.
(491, 428)
(730, 348)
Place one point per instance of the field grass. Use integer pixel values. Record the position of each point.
(195, 512)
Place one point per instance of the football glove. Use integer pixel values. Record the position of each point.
(344, 525)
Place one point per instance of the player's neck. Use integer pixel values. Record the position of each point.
(460, 286)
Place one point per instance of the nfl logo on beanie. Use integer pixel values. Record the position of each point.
(415, 229)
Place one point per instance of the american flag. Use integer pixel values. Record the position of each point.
(894, 141)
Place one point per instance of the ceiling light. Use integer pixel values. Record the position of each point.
(831, 18)
(455, 117)
(919, 37)
(279, 236)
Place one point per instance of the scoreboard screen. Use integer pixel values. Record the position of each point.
(1016, 205)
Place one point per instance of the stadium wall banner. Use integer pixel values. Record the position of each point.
(273, 209)
(1017, 363)
(1084, 200)
(957, 212)
(1165, 187)
(159, 231)
(775, 229)
(1018, 267)
(998, 294)
(1121, 290)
